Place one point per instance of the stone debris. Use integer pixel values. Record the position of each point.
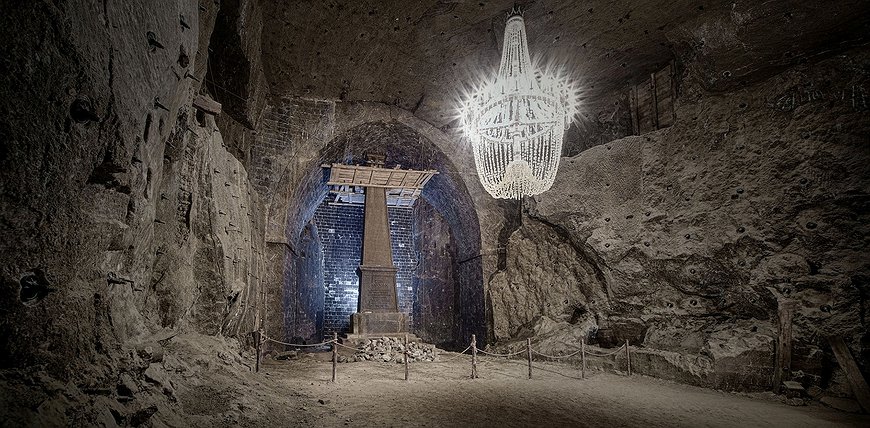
(391, 349)
(288, 355)
(843, 404)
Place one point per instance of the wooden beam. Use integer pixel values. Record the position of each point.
(367, 176)
(206, 104)
(673, 77)
(655, 101)
(853, 373)
(634, 116)
(782, 367)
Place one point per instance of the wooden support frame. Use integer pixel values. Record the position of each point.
(206, 104)
(403, 186)
(853, 373)
(652, 101)
(371, 176)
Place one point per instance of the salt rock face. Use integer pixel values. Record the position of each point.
(544, 276)
(125, 206)
(698, 230)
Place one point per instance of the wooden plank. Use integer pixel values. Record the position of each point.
(664, 97)
(856, 379)
(645, 120)
(652, 101)
(673, 91)
(367, 176)
(782, 365)
(206, 104)
(632, 98)
(654, 112)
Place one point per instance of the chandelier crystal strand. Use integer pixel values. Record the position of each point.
(516, 122)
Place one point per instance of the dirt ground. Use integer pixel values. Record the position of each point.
(203, 381)
(299, 392)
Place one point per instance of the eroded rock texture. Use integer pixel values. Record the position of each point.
(686, 238)
(125, 215)
(144, 239)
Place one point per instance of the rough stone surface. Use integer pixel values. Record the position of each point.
(127, 214)
(696, 231)
(144, 240)
(392, 349)
(844, 404)
(418, 56)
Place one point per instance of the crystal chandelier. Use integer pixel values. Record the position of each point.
(516, 121)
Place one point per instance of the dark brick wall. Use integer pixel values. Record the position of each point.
(436, 311)
(340, 229)
(285, 127)
(404, 257)
(304, 302)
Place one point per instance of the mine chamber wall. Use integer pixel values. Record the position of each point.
(687, 241)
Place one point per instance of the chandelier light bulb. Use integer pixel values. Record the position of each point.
(516, 121)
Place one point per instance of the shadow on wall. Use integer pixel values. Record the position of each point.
(303, 305)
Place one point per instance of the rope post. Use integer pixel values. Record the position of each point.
(583, 358)
(473, 356)
(406, 357)
(334, 354)
(529, 353)
(627, 357)
(257, 340)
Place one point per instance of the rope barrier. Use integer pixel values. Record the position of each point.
(297, 344)
(557, 357)
(493, 354)
(605, 354)
(460, 354)
(544, 369)
(528, 350)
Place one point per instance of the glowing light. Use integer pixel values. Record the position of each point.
(516, 121)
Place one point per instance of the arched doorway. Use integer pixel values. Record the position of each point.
(441, 279)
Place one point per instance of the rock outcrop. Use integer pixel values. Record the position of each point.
(688, 237)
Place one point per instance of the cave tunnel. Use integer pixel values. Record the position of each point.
(645, 213)
(435, 244)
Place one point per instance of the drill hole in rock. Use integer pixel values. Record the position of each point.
(200, 118)
(82, 110)
(33, 287)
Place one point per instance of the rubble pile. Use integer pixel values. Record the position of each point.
(390, 349)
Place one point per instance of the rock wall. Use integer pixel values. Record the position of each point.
(126, 214)
(687, 238)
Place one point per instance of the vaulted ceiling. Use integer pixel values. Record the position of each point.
(417, 54)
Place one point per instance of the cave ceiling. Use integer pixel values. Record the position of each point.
(418, 54)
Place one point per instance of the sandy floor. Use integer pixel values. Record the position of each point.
(202, 381)
(441, 394)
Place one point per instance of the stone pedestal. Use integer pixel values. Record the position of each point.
(377, 289)
(378, 312)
